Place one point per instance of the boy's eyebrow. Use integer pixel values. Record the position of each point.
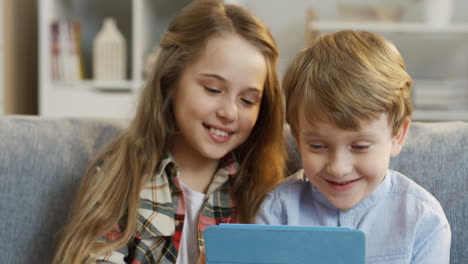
(307, 134)
(221, 78)
(310, 134)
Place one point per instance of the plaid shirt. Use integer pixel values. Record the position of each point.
(162, 212)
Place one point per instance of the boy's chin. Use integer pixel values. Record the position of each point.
(344, 204)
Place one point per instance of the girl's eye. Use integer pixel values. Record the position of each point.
(211, 90)
(247, 102)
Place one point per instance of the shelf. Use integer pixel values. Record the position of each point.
(438, 85)
(142, 22)
(126, 86)
(91, 99)
(387, 27)
(83, 101)
(440, 115)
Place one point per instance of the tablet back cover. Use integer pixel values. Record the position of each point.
(255, 244)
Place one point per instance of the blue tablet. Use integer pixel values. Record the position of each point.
(267, 244)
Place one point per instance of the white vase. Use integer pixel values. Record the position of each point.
(109, 53)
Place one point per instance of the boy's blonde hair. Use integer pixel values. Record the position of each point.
(345, 77)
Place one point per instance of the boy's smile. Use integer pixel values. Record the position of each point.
(348, 165)
(343, 185)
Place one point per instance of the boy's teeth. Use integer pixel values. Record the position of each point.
(218, 132)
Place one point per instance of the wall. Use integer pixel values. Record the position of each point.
(2, 83)
(285, 19)
(20, 56)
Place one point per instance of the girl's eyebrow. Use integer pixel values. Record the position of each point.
(255, 90)
(215, 76)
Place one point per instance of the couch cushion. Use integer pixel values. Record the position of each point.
(41, 164)
(42, 161)
(435, 156)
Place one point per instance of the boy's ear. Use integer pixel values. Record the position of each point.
(399, 138)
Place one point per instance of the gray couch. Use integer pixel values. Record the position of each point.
(42, 161)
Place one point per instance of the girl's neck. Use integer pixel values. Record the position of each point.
(195, 170)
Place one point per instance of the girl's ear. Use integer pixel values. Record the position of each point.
(399, 138)
(294, 136)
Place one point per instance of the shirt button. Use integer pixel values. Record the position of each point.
(344, 210)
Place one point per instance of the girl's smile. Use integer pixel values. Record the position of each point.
(218, 134)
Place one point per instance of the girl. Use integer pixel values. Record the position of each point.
(204, 148)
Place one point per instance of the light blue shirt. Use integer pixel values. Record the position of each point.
(403, 222)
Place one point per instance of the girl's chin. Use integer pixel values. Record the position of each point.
(216, 155)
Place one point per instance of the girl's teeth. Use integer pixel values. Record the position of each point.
(218, 132)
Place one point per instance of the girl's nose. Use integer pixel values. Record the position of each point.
(227, 110)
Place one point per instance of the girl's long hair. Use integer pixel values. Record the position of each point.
(109, 196)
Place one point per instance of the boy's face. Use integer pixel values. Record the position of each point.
(347, 165)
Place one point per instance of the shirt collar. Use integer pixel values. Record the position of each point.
(157, 209)
(228, 166)
(378, 194)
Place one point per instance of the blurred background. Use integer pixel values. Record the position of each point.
(47, 49)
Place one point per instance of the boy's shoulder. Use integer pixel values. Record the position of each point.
(296, 179)
(293, 184)
(404, 187)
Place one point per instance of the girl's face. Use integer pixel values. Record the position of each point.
(217, 100)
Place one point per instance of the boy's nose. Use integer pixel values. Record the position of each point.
(339, 165)
(227, 111)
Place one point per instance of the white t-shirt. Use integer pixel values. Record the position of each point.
(188, 248)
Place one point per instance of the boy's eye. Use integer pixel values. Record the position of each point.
(360, 147)
(317, 146)
(211, 90)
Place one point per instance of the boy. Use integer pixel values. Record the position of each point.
(348, 105)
